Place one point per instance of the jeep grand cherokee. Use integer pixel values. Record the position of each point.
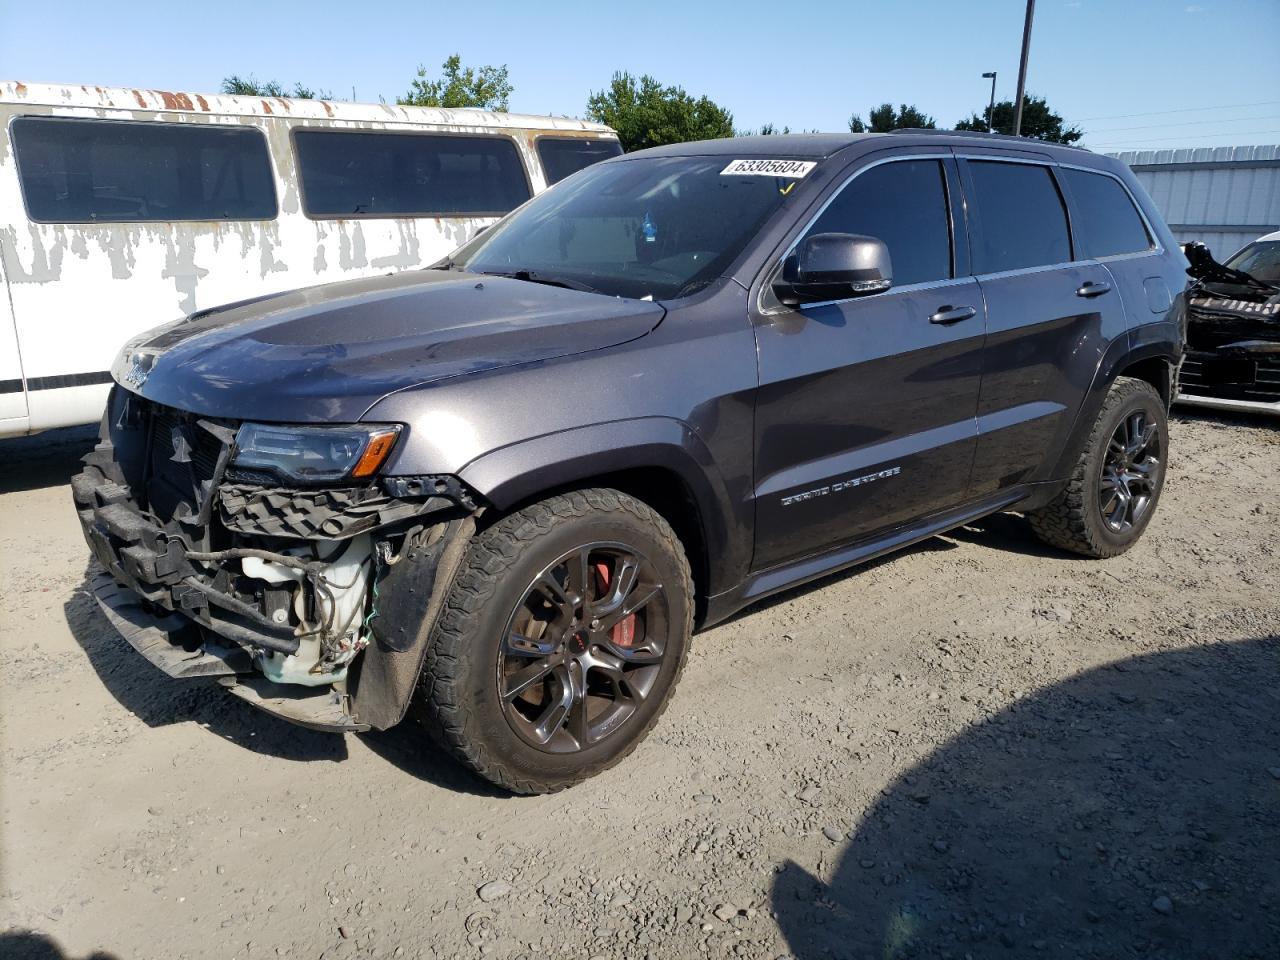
(504, 490)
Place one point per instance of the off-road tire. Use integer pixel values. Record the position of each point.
(457, 697)
(1073, 520)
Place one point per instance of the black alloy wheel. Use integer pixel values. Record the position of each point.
(583, 647)
(1112, 491)
(562, 638)
(1130, 472)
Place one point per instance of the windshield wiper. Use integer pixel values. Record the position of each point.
(532, 276)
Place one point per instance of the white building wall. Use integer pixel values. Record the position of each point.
(1221, 196)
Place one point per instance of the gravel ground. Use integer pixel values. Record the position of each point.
(977, 748)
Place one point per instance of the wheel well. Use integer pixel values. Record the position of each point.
(1156, 371)
(665, 492)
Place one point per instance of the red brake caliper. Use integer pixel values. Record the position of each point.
(623, 633)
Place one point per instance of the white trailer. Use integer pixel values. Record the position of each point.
(121, 209)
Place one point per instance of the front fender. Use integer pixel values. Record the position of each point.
(524, 471)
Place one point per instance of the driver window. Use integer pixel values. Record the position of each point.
(903, 203)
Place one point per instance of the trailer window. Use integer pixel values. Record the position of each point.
(408, 175)
(124, 171)
(562, 156)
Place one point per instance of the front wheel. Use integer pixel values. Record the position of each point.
(1116, 484)
(561, 641)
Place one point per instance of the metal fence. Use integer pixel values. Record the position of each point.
(1222, 196)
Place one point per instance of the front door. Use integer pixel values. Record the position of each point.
(865, 416)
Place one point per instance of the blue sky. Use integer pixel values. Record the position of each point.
(1132, 73)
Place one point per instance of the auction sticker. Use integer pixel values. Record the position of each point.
(796, 169)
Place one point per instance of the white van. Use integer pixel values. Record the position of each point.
(121, 209)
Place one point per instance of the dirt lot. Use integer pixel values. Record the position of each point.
(977, 748)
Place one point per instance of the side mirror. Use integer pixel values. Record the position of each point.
(834, 266)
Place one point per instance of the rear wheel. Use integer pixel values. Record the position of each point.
(1116, 483)
(561, 641)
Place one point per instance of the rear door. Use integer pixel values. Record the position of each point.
(1049, 319)
(865, 413)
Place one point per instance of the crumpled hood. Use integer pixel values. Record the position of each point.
(328, 353)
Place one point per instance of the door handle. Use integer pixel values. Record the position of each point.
(949, 314)
(1094, 288)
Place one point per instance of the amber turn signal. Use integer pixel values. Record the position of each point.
(375, 452)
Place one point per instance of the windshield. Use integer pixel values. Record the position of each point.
(660, 228)
(1260, 260)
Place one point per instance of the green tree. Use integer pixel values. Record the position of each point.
(766, 130)
(488, 88)
(1038, 121)
(885, 118)
(250, 86)
(647, 114)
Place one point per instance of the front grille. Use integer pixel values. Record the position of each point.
(1231, 378)
(168, 425)
(182, 462)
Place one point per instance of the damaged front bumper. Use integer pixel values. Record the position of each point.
(308, 603)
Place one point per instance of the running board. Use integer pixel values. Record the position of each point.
(776, 579)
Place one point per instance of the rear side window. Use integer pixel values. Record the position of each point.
(1020, 215)
(903, 203)
(124, 171)
(408, 174)
(562, 156)
(1109, 224)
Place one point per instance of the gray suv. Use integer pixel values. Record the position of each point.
(504, 490)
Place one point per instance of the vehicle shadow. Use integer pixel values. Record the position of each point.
(44, 460)
(409, 747)
(1128, 811)
(30, 945)
(158, 700)
(1011, 533)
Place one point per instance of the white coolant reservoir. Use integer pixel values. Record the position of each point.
(321, 658)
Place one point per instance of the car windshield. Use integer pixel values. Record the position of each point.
(1259, 260)
(659, 227)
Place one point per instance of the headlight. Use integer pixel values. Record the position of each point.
(315, 454)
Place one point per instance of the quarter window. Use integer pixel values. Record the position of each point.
(408, 174)
(903, 203)
(562, 156)
(1108, 222)
(124, 171)
(1022, 222)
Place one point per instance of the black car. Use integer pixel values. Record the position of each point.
(1233, 329)
(505, 490)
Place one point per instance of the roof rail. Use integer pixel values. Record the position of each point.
(982, 134)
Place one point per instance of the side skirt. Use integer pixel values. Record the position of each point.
(776, 579)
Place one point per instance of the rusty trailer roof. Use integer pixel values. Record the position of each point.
(93, 98)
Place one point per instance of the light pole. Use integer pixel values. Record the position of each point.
(1022, 68)
(992, 108)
